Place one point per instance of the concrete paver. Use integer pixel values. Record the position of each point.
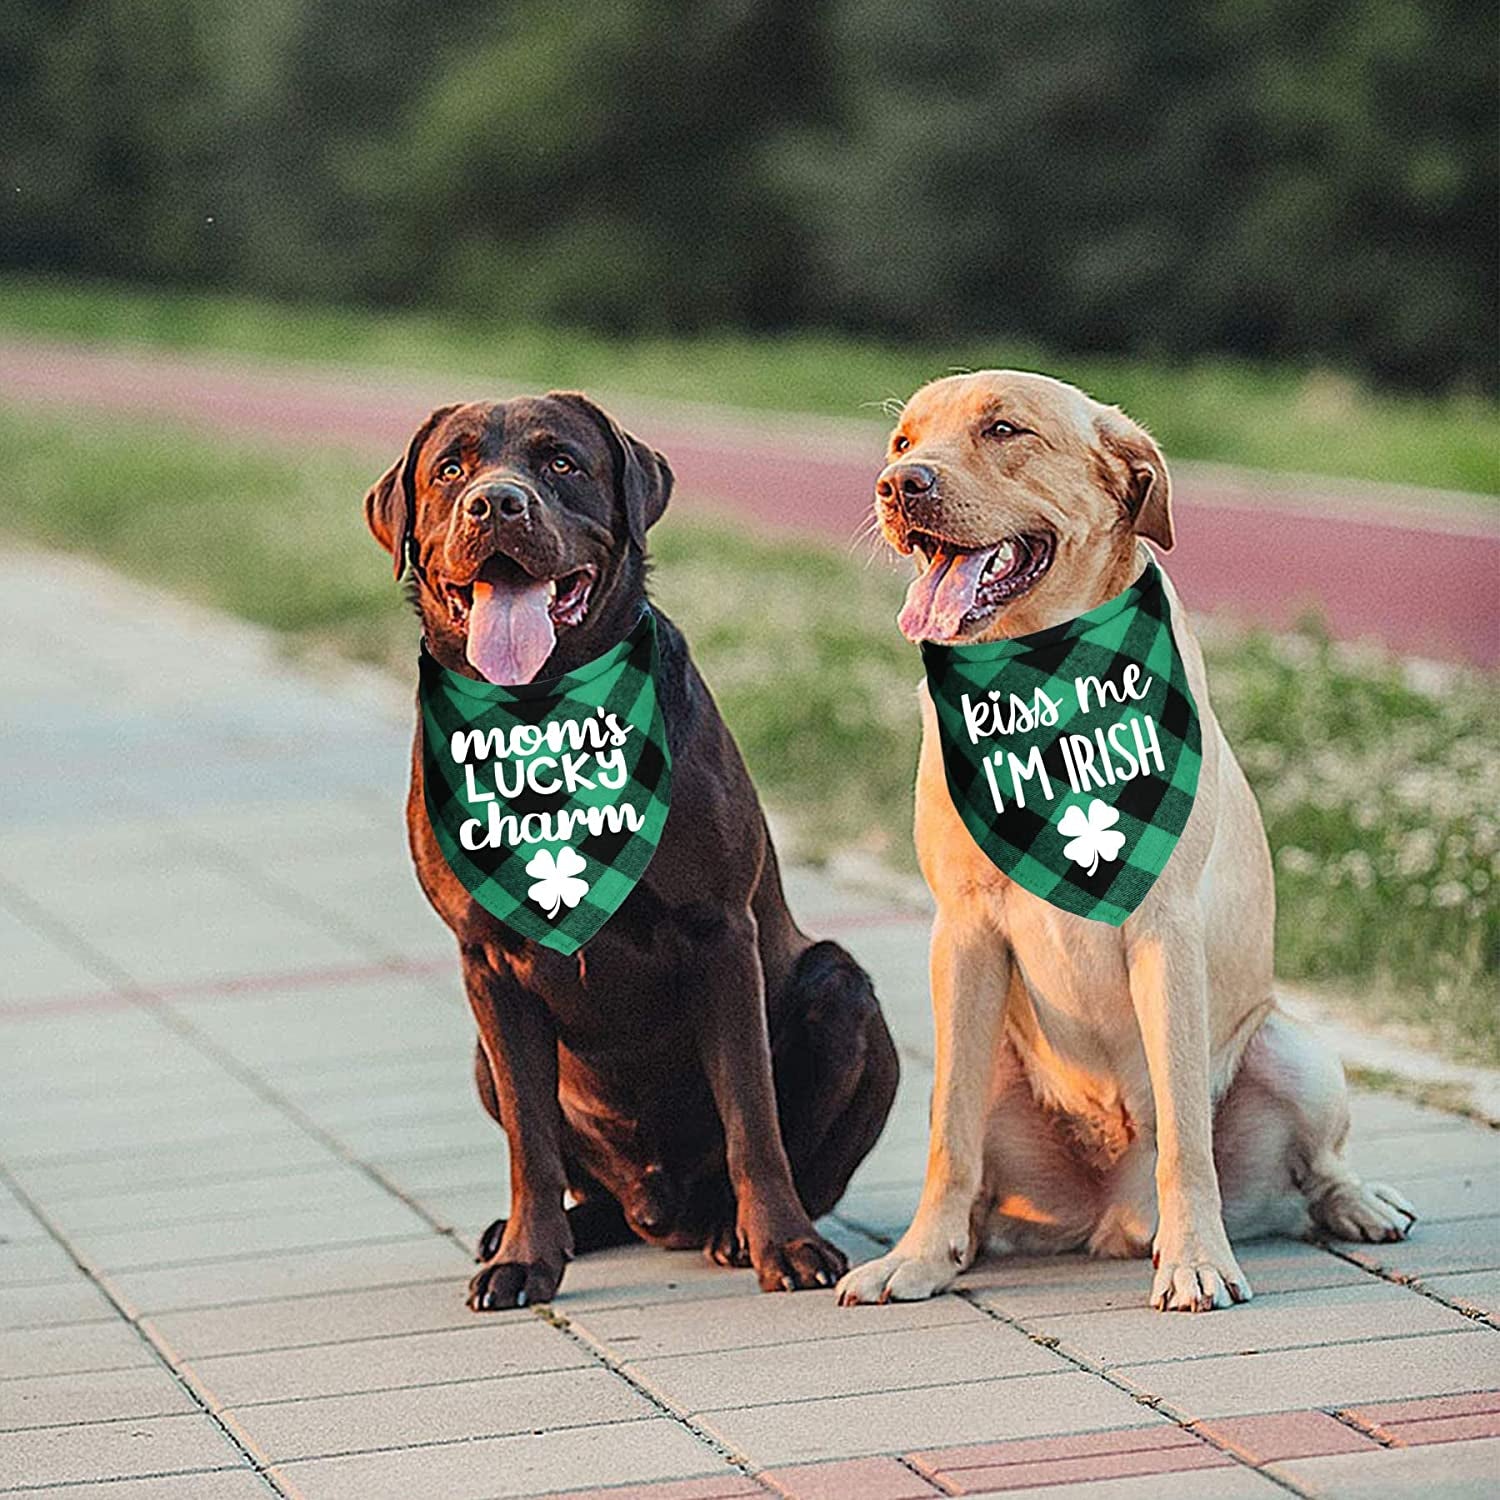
(1033, 1289)
(30, 1262)
(113, 1450)
(1410, 1420)
(960, 1412)
(339, 1186)
(870, 1478)
(242, 1483)
(1415, 1156)
(523, 1346)
(816, 1368)
(1285, 1320)
(493, 1468)
(105, 1395)
(625, 1278)
(1478, 1291)
(34, 965)
(258, 1154)
(77, 1132)
(1455, 1471)
(648, 1331)
(1325, 1375)
(239, 1238)
(52, 1304)
(1225, 1484)
(71, 1348)
(733, 1486)
(1461, 1194)
(242, 1170)
(1149, 1436)
(419, 1306)
(1282, 1435)
(1454, 1245)
(314, 1426)
(1111, 1466)
(301, 1273)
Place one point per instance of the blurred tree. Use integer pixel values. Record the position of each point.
(605, 163)
(118, 127)
(1254, 177)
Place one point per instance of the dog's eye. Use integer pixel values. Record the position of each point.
(901, 442)
(561, 464)
(1001, 430)
(450, 468)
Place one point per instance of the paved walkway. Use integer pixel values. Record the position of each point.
(1416, 569)
(241, 1170)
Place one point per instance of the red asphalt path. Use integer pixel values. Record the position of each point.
(1416, 570)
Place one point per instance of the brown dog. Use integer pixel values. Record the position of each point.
(700, 1073)
(1116, 1088)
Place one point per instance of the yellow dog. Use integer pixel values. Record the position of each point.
(1115, 1088)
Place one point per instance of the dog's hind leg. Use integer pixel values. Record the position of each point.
(1037, 1197)
(484, 1081)
(596, 1218)
(1278, 1144)
(836, 1072)
(597, 1222)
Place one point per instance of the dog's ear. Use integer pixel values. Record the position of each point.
(1145, 488)
(391, 504)
(643, 477)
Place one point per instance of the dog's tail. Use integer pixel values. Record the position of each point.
(836, 1072)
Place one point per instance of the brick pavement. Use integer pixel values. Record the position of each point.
(242, 1170)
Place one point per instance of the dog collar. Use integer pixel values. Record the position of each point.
(1072, 755)
(548, 799)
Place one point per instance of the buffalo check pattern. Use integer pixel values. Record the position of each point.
(1025, 841)
(622, 682)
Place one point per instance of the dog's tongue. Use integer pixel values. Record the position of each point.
(938, 599)
(510, 630)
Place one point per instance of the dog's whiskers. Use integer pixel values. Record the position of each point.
(890, 406)
(866, 532)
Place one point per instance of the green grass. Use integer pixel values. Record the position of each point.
(1312, 421)
(1452, 1098)
(1380, 797)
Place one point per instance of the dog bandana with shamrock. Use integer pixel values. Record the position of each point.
(1072, 755)
(548, 799)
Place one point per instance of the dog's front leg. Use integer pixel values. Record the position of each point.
(770, 1222)
(970, 972)
(520, 1044)
(1195, 1268)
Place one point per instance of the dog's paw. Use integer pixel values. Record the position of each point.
(724, 1247)
(798, 1263)
(1200, 1275)
(1370, 1211)
(489, 1241)
(898, 1278)
(500, 1284)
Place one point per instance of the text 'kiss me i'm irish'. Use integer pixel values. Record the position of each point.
(1106, 755)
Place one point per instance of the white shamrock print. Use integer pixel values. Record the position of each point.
(557, 883)
(1090, 834)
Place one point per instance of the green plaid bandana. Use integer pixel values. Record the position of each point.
(548, 799)
(1072, 755)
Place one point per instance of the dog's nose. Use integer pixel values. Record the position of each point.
(511, 500)
(508, 501)
(906, 482)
